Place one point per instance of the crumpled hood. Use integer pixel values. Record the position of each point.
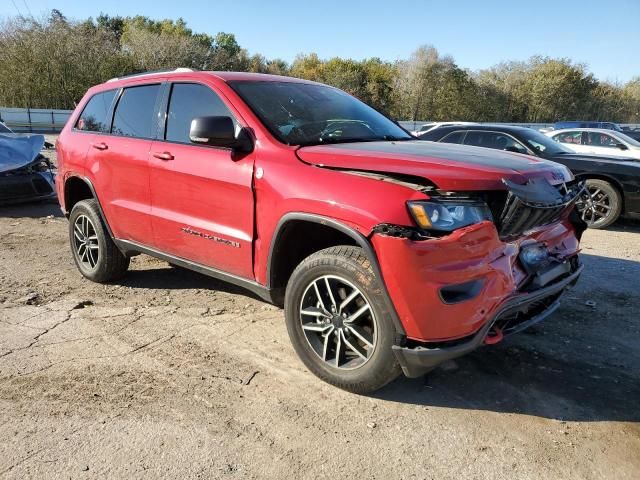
(18, 150)
(448, 166)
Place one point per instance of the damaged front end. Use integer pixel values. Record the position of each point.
(25, 174)
(478, 266)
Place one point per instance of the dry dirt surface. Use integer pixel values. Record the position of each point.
(170, 374)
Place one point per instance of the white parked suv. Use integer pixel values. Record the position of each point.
(597, 141)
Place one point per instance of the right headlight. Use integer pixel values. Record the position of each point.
(447, 216)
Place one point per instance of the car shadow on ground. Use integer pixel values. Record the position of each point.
(168, 277)
(626, 225)
(580, 364)
(39, 209)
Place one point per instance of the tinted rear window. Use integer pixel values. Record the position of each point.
(455, 137)
(94, 115)
(190, 100)
(134, 112)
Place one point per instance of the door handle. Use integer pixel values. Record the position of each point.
(100, 146)
(163, 155)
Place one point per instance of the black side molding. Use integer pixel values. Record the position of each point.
(131, 248)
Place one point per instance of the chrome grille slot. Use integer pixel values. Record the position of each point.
(535, 204)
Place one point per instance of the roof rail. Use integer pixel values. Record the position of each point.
(133, 75)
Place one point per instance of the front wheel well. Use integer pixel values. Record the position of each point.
(75, 190)
(295, 241)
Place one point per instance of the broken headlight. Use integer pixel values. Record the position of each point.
(446, 216)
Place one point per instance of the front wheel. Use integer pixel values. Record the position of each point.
(601, 205)
(338, 321)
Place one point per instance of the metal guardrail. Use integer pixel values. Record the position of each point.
(42, 120)
(37, 120)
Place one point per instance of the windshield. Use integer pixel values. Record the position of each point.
(626, 138)
(542, 144)
(310, 114)
(4, 128)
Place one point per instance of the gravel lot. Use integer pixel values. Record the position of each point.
(171, 374)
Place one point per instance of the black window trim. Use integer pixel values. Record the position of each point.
(163, 114)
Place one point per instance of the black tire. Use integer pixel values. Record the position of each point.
(350, 264)
(109, 263)
(603, 205)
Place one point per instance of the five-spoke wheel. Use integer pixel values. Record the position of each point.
(600, 205)
(86, 241)
(94, 252)
(338, 322)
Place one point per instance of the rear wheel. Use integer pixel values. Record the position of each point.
(601, 205)
(94, 252)
(338, 321)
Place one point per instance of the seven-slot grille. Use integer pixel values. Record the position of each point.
(523, 212)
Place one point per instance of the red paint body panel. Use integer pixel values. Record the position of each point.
(204, 190)
(414, 272)
(151, 201)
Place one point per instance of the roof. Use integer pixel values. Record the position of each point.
(224, 76)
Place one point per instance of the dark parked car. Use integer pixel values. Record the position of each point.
(613, 183)
(635, 134)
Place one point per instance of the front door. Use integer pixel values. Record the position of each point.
(202, 197)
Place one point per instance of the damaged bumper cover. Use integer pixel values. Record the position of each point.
(527, 308)
(25, 174)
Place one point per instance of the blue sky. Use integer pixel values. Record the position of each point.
(478, 34)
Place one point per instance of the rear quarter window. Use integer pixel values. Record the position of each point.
(94, 116)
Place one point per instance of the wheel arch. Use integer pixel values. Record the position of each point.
(76, 189)
(281, 262)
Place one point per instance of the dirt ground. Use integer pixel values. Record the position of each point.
(170, 374)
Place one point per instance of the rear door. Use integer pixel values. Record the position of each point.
(602, 144)
(201, 196)
(572, 139)
(119, 164)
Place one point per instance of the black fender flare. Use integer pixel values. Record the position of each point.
(95, 196)
(360, 240)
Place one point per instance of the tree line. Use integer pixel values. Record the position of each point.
(50, 63)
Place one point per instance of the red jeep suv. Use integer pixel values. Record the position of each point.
(388, 254)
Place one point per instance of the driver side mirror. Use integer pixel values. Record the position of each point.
(622, 146)
(219, 131)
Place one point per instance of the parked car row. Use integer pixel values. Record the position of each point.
(612, 178)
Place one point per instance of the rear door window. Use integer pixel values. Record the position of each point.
(454, 137)
(188, 101)
(94, 116)
(495, 140)
(597, 139)
(134, 113)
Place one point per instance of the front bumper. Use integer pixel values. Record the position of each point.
(26, 187)
(526, 308)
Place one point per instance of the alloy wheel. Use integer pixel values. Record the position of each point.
(595, 205)
(338, 322)
(85, 242)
